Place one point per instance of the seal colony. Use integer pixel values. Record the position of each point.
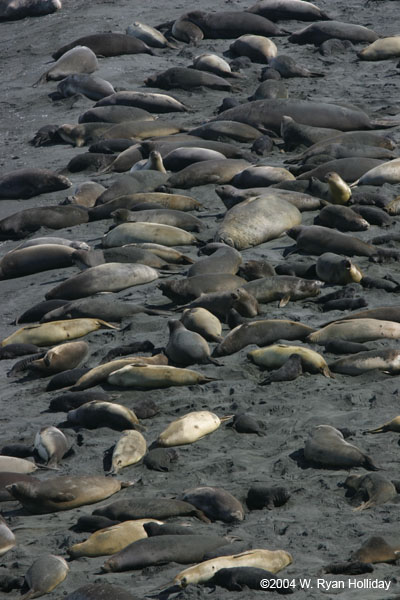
(217, 201)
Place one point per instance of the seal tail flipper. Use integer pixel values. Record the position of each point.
(42, 79)
(364, 505)
(384, 124)
(326, 372)
(381, 429)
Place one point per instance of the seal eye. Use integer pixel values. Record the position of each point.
(184, 582)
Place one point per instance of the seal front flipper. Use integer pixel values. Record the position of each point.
(284, 301)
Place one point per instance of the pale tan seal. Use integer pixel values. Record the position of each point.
(64, 493)
(375, 550)
(7, 538)
(77, 60)
(357, 330)
(386, 360)
(270, 560)
(129, 450)
(62, 357)
(166, 235)
(189, 428)
(393, 425)
(46, 334)
(381, 49)
(339, 191)
(13, 464)
(387, 172)
(155, 376)
(202, 321)
(154, 163)
(101, 372)
(273, 357)
(51, 445)
(111, 540)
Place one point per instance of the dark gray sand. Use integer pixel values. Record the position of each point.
(317, 526)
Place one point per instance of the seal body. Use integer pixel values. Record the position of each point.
(63, 493)
(189, 428)
(27, 183)
(45, 574)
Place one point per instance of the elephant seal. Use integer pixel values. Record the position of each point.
(207, 171)
(220, 303)
(7, 538)
(184, 290)
(186, 31)
(224, 260)
(110, 277)
(255, 221)
(149, 35)
(99, 374)
(319, 32)
(186, 79)
(149, 508)
(95, 414)
(107, 44)
(248, 578)
(373, 489)
(129, 233)
(386, 360)
(373, 215)
(387, 172)
(189, 428)
(111, 540)
(163, 216)
(114, 114)
(261, 333)
(202, 321)
(273, 357)
(317, 240)
(35, 259)
(86, 194)
(375, 550)
(256, 47)
(160, 459)
(45, 574)
(287, 67)
(62, 357)
(13, 11)
(226, 131)
(326, 447)
(231, 196)
(186, 347)
(256, 269)
(393, 425)
(64, 493)
(89, 86)
(161, 549)
(359, 330)
(269, 90)
(57, 241)
(283, 288)
(153, 163)
(337, 270)
(180, 158)
(268, 114)
(214, 64)
(297, 134)
(288, 10)
(268, 560)
(27, 183)
(129, 450)
(13, 350)
(381, 49)
(51, 445)
(339, 191)
(154, 103)
(79, 59)
(216, 503)
(13, 464)
(261, 496)
(28, 220)
(261, 176)
(232, 24)
(70, 400)
(144, 376)
(46, 334)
